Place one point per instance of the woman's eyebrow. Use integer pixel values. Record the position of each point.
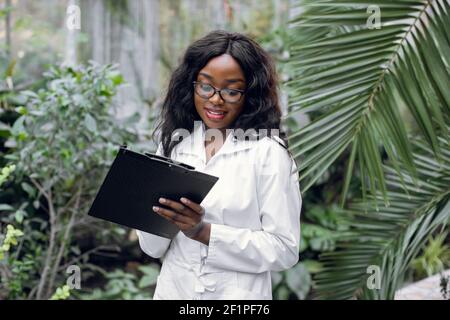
(227, 80)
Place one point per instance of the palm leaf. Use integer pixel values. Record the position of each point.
(362, 81)
(388, 237)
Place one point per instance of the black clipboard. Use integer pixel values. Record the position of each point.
(136, 181)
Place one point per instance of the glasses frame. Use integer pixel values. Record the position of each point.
(242, 92)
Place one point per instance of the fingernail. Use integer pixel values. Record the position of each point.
(184, 200)
(155, 208)
(162, 200)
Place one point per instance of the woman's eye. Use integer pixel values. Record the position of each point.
(232, 93)
(205, 87)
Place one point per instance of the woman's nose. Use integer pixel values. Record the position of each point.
(216, 99)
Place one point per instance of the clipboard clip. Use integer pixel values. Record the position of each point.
(164, 159)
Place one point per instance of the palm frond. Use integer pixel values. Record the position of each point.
(388, 237)
(362, 81)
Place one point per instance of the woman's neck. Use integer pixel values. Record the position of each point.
(223, 131)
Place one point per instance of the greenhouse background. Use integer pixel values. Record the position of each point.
(366, 104)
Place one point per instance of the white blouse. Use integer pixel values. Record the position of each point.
(254, 212)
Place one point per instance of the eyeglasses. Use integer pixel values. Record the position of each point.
(207, 91)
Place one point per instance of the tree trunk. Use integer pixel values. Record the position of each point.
(8, 30)
(127, 33)
(70, 53)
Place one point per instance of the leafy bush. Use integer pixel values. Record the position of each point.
(62, 143)
(126, 286)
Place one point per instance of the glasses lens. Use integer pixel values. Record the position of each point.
(204, 90)
(230, 95)
(207, 91)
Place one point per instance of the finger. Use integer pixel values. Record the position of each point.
(180, 208)
(172, 215)
(194, 206)
(173, 219)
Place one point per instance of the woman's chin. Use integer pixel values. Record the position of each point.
(214, 124)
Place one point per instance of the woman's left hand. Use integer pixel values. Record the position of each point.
(187, 215)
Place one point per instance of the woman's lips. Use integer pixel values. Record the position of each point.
(215, 115)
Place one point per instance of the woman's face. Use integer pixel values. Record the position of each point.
(221, 72)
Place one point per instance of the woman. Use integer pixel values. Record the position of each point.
(249, 223)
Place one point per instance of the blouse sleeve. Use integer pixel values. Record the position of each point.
(153, 245)
(276, 246)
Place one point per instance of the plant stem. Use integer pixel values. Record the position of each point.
(51, 246)
(64, 241)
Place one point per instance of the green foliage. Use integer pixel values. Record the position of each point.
(63, 141)
(22, 271)
(68, 127)
(434, 258)
(322, 229)
(10, 240)
(4, 11)
(126, 286)
(38, 41)
(360, 85)
(362, 81)
(291, 284)
(389, 237)
(61, 293)
(14, 277)
(151, 274)
(276, 43)
(297, 282)
(6, 172)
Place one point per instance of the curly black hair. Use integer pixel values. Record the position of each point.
(261, 109)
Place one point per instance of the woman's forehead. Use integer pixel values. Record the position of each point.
(223, 68)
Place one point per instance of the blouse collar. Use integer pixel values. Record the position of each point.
(194, 143)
